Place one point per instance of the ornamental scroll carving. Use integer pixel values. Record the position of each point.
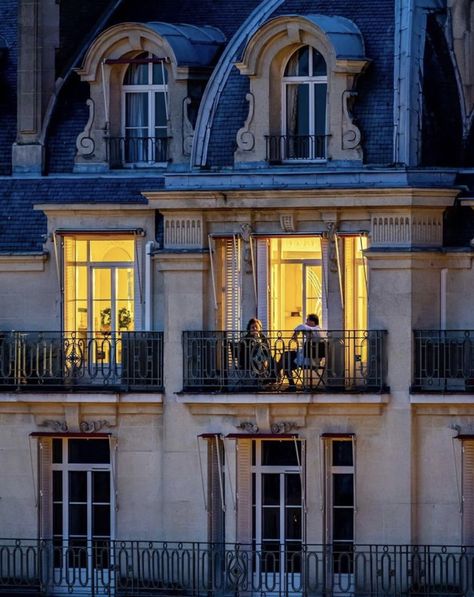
(84, 143)
(248, 426)
(283, 427)
(187, 128)
(350, 133)
(246, 139)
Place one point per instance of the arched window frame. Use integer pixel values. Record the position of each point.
(312, 145)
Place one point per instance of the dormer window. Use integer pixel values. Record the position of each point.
(145, 112)
(304, 107)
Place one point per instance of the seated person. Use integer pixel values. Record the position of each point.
(254, 354)
(310, 354)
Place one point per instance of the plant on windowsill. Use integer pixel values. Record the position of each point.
(106, 320)
(124, 318)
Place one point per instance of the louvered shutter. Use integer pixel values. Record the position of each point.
(45, 488)
(244, 491)
(468, 492)
(214, 491)
(232, 281)
(262, 282)
(325, 258)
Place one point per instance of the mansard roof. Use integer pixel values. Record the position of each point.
(8, 63)
(22, 228)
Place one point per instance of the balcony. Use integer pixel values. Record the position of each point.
(282, 148)
(336, 361)
(137, 151)
(444, 361)
(75, 361)
(137, 568)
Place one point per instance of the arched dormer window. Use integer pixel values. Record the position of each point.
(145, 112)
(304, 96)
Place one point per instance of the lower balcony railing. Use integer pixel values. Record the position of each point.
(137, 150)
(280, 148)
(136, 568)
(78, 360)
(233, 361)
(444, 360)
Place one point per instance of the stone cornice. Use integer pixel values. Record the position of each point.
(389, 198)
(53, 209)
(23, 262)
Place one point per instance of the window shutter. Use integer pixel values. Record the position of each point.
(244, 491)
(262, 282)
(325, 258)
(45, 488)
(468, 492)
(232, 289)
(215, 511)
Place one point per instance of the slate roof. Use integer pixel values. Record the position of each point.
(8, 20)
(21, 227)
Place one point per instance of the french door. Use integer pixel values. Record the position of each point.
(277, 515)
(82, 507)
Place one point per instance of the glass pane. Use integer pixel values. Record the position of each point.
(270, 489)
(314, 291)
(342, 453)
(320, 113)
(293, 523)
(137, 74)
(78, 519)
(270, 523)
(57, 451)
(102, 299)
(101, 486)
(293, 490)
(57, 519)
(57, 486)
(343, 524)
(298, 64)
(343, 489)
(94, 451)
(160, 109)
(280, 453)
(297, 109)
(113, 250)
(77, 486)
(101, 521)
(136, 110)
(319, 64)
(159, 69)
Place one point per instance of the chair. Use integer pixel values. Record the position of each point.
(314, 363)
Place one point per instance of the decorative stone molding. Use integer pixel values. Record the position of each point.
(245, 138)
(283, 427)
(287, 223)
(55, 425)
(183, 232)
(350, 133)
(93, 426)
(248, 426)
(402, 230)
(187, 128)
(85, 145)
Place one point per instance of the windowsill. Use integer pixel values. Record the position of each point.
(298, 162)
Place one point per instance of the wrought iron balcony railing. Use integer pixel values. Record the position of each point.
(233, 361)
(444, 360)
(281, 148)
(137, 150)
(78, 360)
(138, 568)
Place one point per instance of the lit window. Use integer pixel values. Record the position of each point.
(304, 106)
(145, 111)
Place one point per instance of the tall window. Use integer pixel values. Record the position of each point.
(145, 111)
(99, 285)
(304, 100)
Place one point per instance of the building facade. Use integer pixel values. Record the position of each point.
(171, 171)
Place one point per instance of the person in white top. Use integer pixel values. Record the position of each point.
(292, 359)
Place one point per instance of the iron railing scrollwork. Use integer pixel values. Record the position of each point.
(444, 360)
(137, 568)
(75, 360)
(137, 150)
(280, 148)
(277, 361)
